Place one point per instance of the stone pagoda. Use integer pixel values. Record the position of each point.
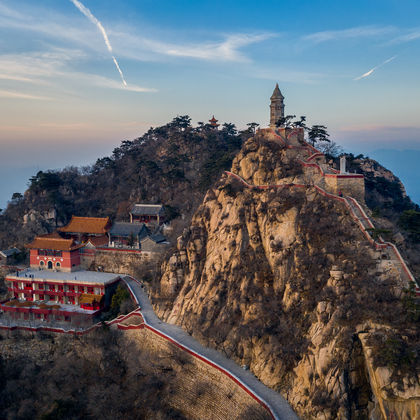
(276, 106)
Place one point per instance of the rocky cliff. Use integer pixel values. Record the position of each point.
(283, 281)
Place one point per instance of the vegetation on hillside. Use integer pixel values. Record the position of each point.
(173, 164)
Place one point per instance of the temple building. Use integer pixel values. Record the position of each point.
(8, 256)
(153, 244)
(123, 234)
(42, 295)
(52, 252)
(276, 106)
(213, 123)
(147, 213)
(83, 228)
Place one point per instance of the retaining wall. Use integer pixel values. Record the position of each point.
(204, 391)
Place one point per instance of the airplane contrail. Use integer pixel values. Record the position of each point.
(98, 24)
(368, 73)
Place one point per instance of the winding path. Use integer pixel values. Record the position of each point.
(271, 400)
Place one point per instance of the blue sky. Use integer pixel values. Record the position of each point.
(353, 66)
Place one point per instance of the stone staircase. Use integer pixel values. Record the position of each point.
(388, 251)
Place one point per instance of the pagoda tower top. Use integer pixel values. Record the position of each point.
(213, 122)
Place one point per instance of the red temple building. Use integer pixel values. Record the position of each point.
(52, 289)
(52, 252)
(58, 296)
(213, 123)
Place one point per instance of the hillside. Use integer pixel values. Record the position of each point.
(173, 164)
(283, 280)
(280, 280)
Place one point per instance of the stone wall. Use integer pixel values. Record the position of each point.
(196, 389)
(204, 391)
(114, 261)
(347, 185)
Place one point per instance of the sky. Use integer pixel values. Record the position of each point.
(78, 77)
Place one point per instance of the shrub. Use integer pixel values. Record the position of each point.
(119, 298)
(410, 221)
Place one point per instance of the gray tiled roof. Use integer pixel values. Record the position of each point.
(147, 209)
(127, 229)
(157, 238)
(9, 252)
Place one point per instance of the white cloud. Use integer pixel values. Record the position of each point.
(112, 84)
(19, 95)
(16, 78)
(127, 42)
(356, 32)
(227, 50)
(53, 66)
(413, 35)
(368, 73)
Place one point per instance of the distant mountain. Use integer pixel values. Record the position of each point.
(405, 164)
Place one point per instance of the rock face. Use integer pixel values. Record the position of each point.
(283, 281)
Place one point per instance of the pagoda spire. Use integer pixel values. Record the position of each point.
(277, 93)
(276, 106)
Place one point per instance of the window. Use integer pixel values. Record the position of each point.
(90, 289)
(58, 265)
(41, 297)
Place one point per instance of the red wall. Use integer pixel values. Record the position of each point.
(67, 260)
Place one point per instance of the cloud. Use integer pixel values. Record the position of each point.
(368, 73)
(413, 35)
(127, 40)
(113, 84)
(227, 50)
(51, 67)
(18, 95)
(16, 78)
(83, 9)
(350, 33)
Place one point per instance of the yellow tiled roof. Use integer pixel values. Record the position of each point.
(95, 225)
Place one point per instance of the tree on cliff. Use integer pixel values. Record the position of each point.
(318, 134)
(252, 127)
(286, 121)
